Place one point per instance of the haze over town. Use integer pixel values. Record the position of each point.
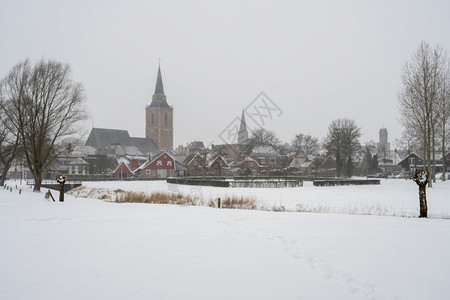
(318, 61)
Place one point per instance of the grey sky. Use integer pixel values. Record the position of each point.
(317, 60)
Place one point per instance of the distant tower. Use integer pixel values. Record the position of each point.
(159, 118)
(384, 139)
(243, 132)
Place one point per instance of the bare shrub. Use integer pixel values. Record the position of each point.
(155, 198)
(238, 202)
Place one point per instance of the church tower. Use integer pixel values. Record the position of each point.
(243, 132)
(159, 118)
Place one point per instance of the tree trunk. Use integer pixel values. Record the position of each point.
(423, 201)
(421, 177)
(37, 180)
(37, 183)
(429, 145)
(61, 192)
(444, 161)
(4, 173)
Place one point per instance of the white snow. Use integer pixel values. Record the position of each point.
(93, 249)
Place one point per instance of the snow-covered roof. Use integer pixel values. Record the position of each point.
(264, 151)
(78, 161)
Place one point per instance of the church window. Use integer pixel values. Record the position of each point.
(165, 119)
(153, 119)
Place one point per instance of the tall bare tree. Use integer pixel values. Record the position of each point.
(424, 80)
(307, 143)
(443, 126)
(343, 142)
(9, 146)
(264, 137)
(44, 106)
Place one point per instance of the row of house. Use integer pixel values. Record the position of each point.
(127, 161)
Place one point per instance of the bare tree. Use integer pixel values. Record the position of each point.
(424, 80)
(384, 152)
(9, 146)
(44, 106)
(368, 157)
(264, 137)
(343, 142)
(308, 144)
(443, 126)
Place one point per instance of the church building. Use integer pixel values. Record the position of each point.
(158, 129)
(159, 118)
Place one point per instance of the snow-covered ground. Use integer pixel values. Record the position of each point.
(92, 249)
(393, 197)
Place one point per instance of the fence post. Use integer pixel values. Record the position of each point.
(218, 203)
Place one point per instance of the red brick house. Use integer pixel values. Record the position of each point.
(267, 157)
(122, 170)
(194, 163)
(217, 165)
(162, 165)
(248, 165)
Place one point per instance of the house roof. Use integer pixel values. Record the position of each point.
(408, 156)
(211, 159)
(102, 137)
(153, 159)
(78, 161)
(120, 150)
(196, 145)
(122, 165)
(264, 151)
(248, 159)
(190, 158)
(144, 145)
(80, 150)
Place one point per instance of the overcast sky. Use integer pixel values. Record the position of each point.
(316, 60)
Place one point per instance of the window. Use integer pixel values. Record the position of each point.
(159, 163)
(169, 162)
(147, 171)
(412, 161)
(165, 119)
(272, 160)
(261, 160)
(153, 119)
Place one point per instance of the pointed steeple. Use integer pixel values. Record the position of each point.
(243, 125)
(243, 132)
(159, 98)
(159, 89)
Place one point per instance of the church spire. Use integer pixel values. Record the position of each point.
(159, 98)
(159, 89)
(243, 132)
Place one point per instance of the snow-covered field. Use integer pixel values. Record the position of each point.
(93, 249)
(394, 197)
